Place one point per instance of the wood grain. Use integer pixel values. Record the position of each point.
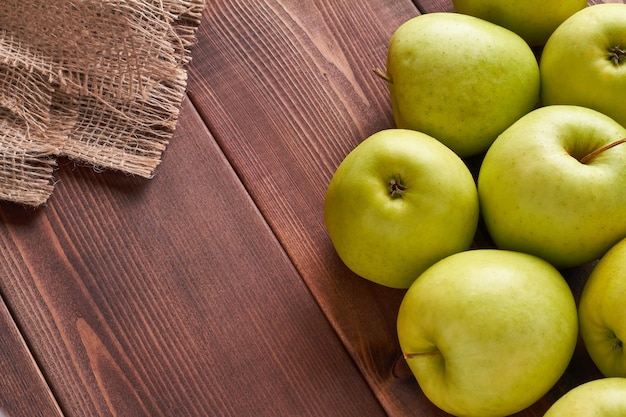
(287, 90)
(171, 297)
(23, 389)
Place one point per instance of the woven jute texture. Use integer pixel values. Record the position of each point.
(97, 81)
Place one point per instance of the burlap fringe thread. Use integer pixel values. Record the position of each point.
(98, 81)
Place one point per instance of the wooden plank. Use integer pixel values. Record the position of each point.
(287, 89)
(171, 297)
(23, 389)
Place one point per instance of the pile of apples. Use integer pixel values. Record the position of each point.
(489, 331)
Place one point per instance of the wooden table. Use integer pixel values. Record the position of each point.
(213, 290)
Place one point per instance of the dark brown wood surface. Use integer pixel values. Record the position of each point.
(23, 390)
(213, 289)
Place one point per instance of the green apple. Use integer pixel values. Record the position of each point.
(552, 185)
(584, 61)
(605, 397)
(533, 20)
(459, 79)
(399, 202)
(488, 332)
(602, 312)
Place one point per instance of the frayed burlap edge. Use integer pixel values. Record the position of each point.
(98, 81)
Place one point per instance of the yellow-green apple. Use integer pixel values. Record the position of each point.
(605, 397)
(399, 202)
(488, 332)
(533, 20)
(459, 79)
(584, 61)
(602, 312)
(554, 185)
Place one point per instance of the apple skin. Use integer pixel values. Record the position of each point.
(533, 20)
(460, 79)
(577, 65)
(602, 312)
(391, 239)
(605, 397)
(535, 195)
(488, 332)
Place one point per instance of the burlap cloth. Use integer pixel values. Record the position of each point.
(97, 81)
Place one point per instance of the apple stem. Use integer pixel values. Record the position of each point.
(617, 54)
(598, 151)
(379, 73)
(433, 352)
(396, 187)
(618, 345)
